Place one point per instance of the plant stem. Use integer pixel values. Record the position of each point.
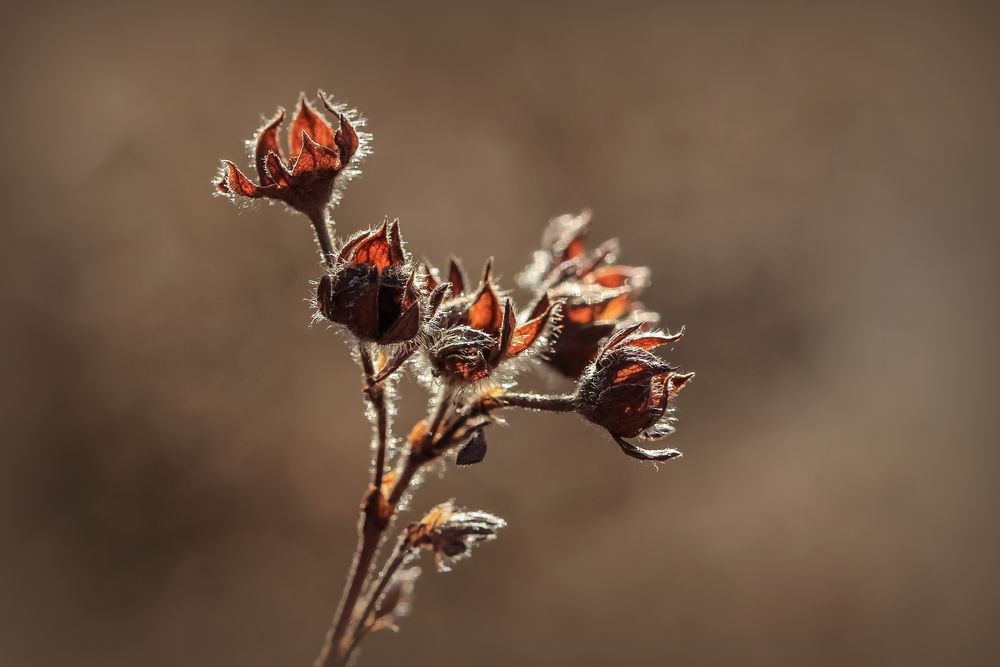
(373, 522)
(322, 228)
(547, 402)
(402, 551)
(376, 396)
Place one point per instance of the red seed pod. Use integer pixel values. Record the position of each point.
(372, 289)
(598, 295)
(303, 177)
(628, 388)
(478, 334)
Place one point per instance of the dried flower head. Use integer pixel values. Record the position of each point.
(303, 177)
(597, 293)
(372, 288)
(477, 333)
(627, 390)
(450, 534)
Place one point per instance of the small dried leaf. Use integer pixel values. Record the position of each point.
(474, 450)
(485, 313)
(646, 454)
(346, 139)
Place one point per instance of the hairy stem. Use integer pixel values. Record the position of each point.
(376, 396)
(373, 522)
(400, 556)
(321, 226)
(547, 402)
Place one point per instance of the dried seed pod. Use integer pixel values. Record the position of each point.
(450, 535)
(597, 294)
(371, 289)
(303, 177)
(478, 333)
(627, 390)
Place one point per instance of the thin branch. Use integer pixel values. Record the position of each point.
(398, 559)
(374, 520)
(321, 227)
(547, 402)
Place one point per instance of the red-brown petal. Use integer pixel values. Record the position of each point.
(485, 313)
(314, 157)
(617, 275)
(655, 339)
(346, 139)
(526, 334)
(396, 256)
(456, 276)
(677, 382)
(234, 182)
(541, 306)
(506, 330)
(267, 143)
(375, 249)
(617, 338)
(309, 121)
(276, 170)
(430, 282)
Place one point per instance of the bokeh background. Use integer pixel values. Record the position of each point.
(815, 188)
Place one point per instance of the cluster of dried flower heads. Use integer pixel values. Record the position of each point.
(467, 342)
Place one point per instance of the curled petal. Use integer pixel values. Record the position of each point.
(540, 306)
(655, 339)
(315, 157)
(456, 276)
(485, 313)
(275, 170)
(678, 381)
(430, 280)
(346, 139)
(351, 245)
(308, 121)
(437, 296)
(267, 143)
(375, 249)
(507, 325)
(619, 276)
(234, 182)
(526, 334)
(646, 454)
(396, 256)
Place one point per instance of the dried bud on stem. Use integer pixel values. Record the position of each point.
(627, 390)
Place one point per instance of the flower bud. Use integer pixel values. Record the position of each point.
(478, 333)
(627, 390)
(372, 290)
(303, 177)
(450, 534)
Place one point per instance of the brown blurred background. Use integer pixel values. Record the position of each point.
(814, 187)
